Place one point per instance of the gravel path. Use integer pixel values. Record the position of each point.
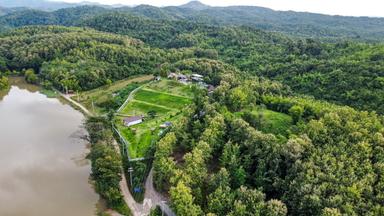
(151, 198)
(69, 99)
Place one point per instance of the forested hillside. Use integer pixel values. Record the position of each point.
(37, 4)
(344, 71)
(336, 72)
(75, 58)
(224, 158)
(294, 125)
(288, 22)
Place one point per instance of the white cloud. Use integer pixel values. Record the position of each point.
(333, 7)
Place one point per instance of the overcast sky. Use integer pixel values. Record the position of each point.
(333, 7)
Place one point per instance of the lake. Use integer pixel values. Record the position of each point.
(43, 170)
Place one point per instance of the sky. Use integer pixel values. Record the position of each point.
(374, 8)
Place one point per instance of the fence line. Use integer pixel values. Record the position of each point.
(125, 145)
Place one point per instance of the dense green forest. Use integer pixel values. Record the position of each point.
(293, 127)
(343, 72)
(288, 22)
(106, 164)
(78, 58)
(223, 158)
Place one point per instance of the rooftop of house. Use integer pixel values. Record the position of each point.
(197, 75)
(133, 118)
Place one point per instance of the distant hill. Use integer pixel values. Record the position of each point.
(35, 4)
(308, 25)
(42, 4)
(195, 5)
(289, 22)
(4, 10)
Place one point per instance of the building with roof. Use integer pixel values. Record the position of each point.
(133, 120)
(197, 77)
(166, 124)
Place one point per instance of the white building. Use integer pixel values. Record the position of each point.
(134, 120)
(197, 77)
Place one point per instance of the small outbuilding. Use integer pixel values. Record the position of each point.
(197, 77)
(166, 124)
(182, 77)
(133, 120)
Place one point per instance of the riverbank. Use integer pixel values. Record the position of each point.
(42, 153)
(102, 144)
(51, 94)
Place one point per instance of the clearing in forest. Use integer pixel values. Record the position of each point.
(110, 97)
(159, 104)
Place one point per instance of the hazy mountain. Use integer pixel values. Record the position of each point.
(42, 4)
(288, 22)
(195, 5)
(36, 4)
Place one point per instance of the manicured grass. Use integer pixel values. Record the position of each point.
(162, 99)
(141, 136)
(140, 108)
(167, 98)
(171, 87)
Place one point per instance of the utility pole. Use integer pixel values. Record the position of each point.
(130, 171)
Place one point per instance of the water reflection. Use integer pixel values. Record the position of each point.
(43, 170)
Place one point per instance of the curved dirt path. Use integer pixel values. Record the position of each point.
(151, 197)
(68, 98)
(154, 197)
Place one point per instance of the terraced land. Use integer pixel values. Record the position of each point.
(158, 102)
(110, 96)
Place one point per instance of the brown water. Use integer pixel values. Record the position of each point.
(43, 171)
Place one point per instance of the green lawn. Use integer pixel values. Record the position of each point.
(167, 98)
(171, 87)
(140, 136)
(139, 142)
(140, 108)
(162, 99)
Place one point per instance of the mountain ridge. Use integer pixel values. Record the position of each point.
(301, 24)
(195, 5)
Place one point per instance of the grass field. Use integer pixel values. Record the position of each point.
(172, 87)
(162, 99)
(273, 122)
(138, 142)
(166, 98)
(140, 136)
(103, 95)
(140, 108)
